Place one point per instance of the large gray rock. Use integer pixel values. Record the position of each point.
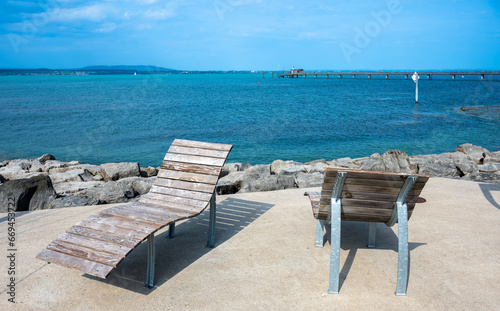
(75, 186)
(51, 164)
(269, 183)
(318, 166)
(140, 185)
(435, 165)
(306, 180)
(72, 201)
(236, 167)
(231, 183)
(115, 171)
(71, 175)
(110, 192)
(280, 166)
(27, 194)
(390, 161)
(487, 168)
(45, 158)
(483, 177)
(260, 169)
(474, 153)
(492, 157)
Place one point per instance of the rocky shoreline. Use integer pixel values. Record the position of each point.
(45, 183)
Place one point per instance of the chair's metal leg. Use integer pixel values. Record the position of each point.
(320, 226)
(150, 274)
(335, 248)
(372, 234)
(171, 231)
(211, 225)
(403, 252)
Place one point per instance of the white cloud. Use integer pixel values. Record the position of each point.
(159, 14)
(107, 27)
(93, 13)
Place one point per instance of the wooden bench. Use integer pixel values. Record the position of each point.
(184, 188)
(370, 196)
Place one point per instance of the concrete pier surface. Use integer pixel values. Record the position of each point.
(265, 259)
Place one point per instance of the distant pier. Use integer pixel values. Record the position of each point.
(299, 73)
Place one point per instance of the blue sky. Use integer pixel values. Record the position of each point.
(251, 34)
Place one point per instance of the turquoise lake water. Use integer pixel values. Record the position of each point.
(98, 119)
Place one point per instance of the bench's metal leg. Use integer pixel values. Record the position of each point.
(372, 234)
(150, 274)
(320, 226)
(403, 252)
(334, 216)
(335, 248)
(171, 231)
(211, 225)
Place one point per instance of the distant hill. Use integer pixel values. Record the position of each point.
(139, 68)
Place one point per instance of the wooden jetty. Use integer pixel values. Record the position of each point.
(299, 73)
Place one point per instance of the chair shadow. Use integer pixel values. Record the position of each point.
(487, 189)
(354, 236)
(187, 246)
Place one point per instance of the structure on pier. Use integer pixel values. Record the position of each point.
(300, 73)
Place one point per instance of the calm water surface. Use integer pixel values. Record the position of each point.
(98, 119)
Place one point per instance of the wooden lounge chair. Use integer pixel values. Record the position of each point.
(370, 196)
(184, 187)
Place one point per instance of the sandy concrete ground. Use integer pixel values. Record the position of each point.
(265, 259)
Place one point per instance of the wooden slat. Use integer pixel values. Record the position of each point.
(134, 214)
(369, 196)
(122, 223)
(332, 172)
(377, 182)
(201, 196)
(97, 245)
(194, 159)
(315, 199)
(168, 202)
(85, 253)
(165, 211)
(327, 189)
(131, 233)
(185, 202)
(132, 220)
(184, 185)
(199, 152)
(104, 236)
(188, 176)
(194, 168)
(87, 266)
(199, 144)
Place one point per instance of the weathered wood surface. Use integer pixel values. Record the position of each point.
(368, 195)
(314, 197)
(87, 266)
(183, 189)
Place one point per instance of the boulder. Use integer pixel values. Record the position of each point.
(260, 169)
(232, 167)
(151, 171)
(306, 180)
(109, 192)
(474, 153)
(483, 177)
(26, 194)
(319, 166)
(487, 168)
(435, 165)
(390, 161)
(232, 183)
(45, 158)
(75, 186)
(71, 175)
(492, 157)
(50, 164)
(344, 163)
(279, 166)
(139, 184)
(72, 201)
(115, 171)
(269, 183)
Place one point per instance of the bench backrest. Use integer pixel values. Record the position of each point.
(188, 175)
(369, 195)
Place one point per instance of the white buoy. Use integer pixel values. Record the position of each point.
(415, 78)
